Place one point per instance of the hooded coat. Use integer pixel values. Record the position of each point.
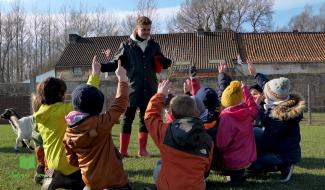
(90, 147)
(52, 125)
(282, 129)
(184, 147)
(235, 138)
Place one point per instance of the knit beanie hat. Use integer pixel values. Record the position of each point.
(232, 95)
(87, 99)
(209, 97)
(277, 89)
(199, 104)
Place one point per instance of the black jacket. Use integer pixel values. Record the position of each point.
(140, 69)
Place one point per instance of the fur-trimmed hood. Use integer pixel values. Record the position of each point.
(289, 109)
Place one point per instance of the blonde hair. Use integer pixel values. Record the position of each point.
(183, 106)
(143, 20)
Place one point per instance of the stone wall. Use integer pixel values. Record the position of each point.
(18, 95)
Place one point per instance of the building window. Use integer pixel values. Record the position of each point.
(215, 61)
(77, 71)
(182, 65)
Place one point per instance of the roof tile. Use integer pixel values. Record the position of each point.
(179, 47)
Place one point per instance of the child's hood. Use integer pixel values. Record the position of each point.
(75, 117)
(187, 132)
(58, 109)
(292, 108)
(81, 131)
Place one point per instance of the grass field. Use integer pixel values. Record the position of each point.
(308, 174)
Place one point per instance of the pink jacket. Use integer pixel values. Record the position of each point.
(235, 138)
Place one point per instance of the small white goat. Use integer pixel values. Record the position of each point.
(22, 127)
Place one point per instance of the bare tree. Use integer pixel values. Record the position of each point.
(191, 16)
(49, 39)
(222, 15)
(1, 63)
(260, 15)
(306, 21)
(79, 21)
(321, 18)
(104, 23)
(8, 37)
(235, 14)
(216, 11)
(128, 24)
(146, 8)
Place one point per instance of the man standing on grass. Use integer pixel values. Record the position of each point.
(142, 58)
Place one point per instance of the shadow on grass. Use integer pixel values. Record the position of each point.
(145, 173)
(312, 163)
(141, 186)
(12, 150)
(137, 157)
(154, 155)
(298, 181)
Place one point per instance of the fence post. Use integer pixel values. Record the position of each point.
(309, 107)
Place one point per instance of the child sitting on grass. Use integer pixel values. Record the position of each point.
(185, 147)
(278, 145)
(88, 139)
(235, 138)
(52, 125)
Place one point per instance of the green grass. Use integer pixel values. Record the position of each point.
(308, 174)
(316, 119)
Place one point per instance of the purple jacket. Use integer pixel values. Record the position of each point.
(235, 137)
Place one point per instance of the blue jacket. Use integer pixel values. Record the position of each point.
(282, 129)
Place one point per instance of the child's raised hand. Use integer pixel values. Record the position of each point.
(187, 87)
(242, 84)
(95, 66)
(121, 72)
(61, 76)
(250, 67)
(164, 87)
(222, 67)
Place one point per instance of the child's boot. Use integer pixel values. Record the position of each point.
(142, 140)
(124, 144)
(40, 170)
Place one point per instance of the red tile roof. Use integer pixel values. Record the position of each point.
(179, 47)
(280, 47)
(283, 47)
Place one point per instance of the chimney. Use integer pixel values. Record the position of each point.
(200, 31)
(74, 38)
(295, 31)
